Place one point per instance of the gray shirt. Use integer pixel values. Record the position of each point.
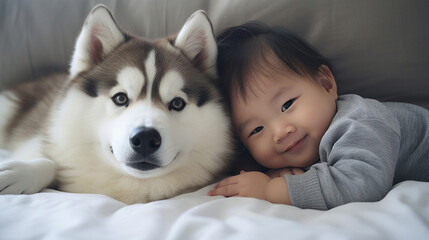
(369, 147)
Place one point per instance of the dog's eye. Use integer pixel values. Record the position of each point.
(177, 104)
(120, 99)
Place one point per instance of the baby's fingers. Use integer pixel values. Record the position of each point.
(227, 191)
(228, 181)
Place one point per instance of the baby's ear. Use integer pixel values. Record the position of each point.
(326, 79)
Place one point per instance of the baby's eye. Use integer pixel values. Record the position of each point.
(287, 105)
(256, 130)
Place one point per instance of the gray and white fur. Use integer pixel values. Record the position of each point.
(136, 120)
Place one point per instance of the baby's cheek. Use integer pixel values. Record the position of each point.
(259, 153)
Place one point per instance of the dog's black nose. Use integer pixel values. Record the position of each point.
(145, 141)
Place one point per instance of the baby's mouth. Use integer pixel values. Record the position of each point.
(296, 145)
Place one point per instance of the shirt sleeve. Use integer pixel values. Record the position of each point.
(357, 164)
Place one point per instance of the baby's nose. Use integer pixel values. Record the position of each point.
(282, 131)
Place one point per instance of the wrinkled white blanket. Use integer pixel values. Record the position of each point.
(402, 214)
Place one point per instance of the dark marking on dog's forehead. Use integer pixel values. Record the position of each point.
(102, 77)
(135, 52)
(200, 95)
(94, 84)
(197, 86)
(89, 86)
(202, 91)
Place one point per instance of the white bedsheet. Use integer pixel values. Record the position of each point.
(402, 214)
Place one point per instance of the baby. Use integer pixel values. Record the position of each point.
(323, 150)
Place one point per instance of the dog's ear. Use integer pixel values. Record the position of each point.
(100, 34)
(197, 42)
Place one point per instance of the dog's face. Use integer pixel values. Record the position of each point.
(152, 107)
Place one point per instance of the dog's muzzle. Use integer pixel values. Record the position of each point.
(145, 141)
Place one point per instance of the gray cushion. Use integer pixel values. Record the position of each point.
(379, 49)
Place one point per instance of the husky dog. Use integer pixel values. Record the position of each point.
(135, 120)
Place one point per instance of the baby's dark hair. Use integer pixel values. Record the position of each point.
(247, 46)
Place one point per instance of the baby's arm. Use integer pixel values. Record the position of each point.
(256, 185)
(358, 160)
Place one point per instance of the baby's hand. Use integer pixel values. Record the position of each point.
(273, 173)
(246, 184)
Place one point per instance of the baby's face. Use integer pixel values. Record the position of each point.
(284, 117)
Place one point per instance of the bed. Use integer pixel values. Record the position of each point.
(402, 214)
(379, 49)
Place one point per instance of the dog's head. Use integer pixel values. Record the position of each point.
(152, 106)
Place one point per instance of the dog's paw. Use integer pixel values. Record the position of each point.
(25, 177)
